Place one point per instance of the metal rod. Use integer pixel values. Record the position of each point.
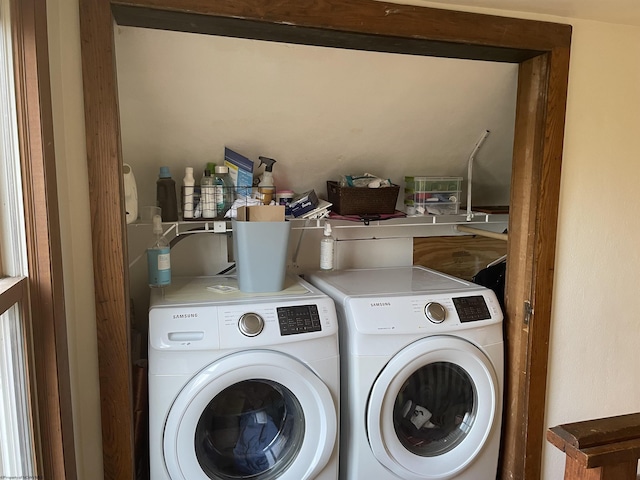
(481, 232)
(479, 143)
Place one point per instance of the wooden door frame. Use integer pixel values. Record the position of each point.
(540, 48)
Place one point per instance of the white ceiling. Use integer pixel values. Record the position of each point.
(626, 12)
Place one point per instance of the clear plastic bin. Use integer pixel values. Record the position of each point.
(432, 195)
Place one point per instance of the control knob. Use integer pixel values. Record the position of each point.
(251, 324)
(435, 312)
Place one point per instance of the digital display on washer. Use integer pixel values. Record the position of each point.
(471, 309)
(298, 319)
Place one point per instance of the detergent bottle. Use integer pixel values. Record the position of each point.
(166, 196)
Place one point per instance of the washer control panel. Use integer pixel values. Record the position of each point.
(471, 309)
(298, 319)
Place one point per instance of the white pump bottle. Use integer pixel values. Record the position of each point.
(327, 248)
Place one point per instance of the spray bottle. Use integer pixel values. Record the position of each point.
(327, 245)
(266, 188)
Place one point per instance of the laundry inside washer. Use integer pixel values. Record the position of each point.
(248, 428)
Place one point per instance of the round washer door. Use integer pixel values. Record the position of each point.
(258, 414)
(432, 408)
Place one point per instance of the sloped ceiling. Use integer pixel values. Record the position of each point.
(320, 112)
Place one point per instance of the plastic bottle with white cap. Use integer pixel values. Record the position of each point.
(188, 185)
(327, 245)
(159, 257)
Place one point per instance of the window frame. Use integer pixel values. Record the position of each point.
(41, 293)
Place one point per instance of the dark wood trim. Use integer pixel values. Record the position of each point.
(543, 261)
(541, 49)
(108, 224)
(603, 448)
(50, 373)
(278, 32)
(532, 83)
(364, 17)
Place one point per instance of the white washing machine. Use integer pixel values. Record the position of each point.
(422, 374)
(242, 385)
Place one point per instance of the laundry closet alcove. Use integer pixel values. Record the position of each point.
(542, 51)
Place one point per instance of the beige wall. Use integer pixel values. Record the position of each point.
(73, 192)
(594, 338)
(594, 359)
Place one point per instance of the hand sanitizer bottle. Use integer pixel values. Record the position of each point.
(159, 257)
(327, 248)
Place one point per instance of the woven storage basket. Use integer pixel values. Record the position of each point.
(362, 200)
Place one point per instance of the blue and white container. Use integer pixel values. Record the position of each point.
(159, 257)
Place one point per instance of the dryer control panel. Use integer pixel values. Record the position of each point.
(471, 309)
(423, 313)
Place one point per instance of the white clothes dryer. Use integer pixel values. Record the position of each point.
(242, 385)
(422, 374)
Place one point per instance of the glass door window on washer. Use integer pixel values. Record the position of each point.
(251, 428)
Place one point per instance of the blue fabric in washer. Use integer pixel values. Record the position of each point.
(251, 453)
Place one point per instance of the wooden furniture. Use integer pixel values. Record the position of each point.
(602, 449)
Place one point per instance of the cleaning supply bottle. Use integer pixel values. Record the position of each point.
(207, 195)
(224, 191)
(159, 257)
(166, 196)
(266, 189)
(327, 245)
(188, 185)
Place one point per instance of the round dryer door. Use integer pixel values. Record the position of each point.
(252, 414)
(432, 408)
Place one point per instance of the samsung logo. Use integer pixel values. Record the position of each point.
(380, 304)
(185, 315)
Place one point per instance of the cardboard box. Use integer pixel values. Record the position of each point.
(304, 203)
(261, 213)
